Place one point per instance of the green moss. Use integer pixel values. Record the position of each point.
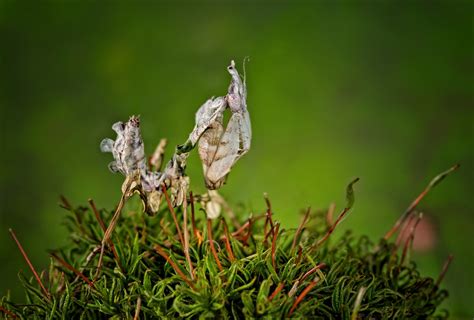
(264, 271)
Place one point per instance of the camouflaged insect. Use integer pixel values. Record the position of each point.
(129, 160)
(220, 149)
(128, 150)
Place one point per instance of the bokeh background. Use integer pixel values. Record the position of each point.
(379, 90)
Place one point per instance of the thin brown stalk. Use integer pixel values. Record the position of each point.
(444, 270)
(97, 214)
(300, 228)
(138, 308)
(162, 253)
(246, 225)
(330, 214)
(8, 312)
(249, 231)
(173, 214)
(71, 268)
(65, 203)
(30, 265)
(186, 238)
(404, 229)
(102, 226)
(196, 231)
(276, 228)
(417, 200)
(211, 242)
(268, 215)
(112, 224)
(277, 291)
(410, 238)
(227, 241)
(331, 229)
(302, 295)
(312, 270)
(299, 255)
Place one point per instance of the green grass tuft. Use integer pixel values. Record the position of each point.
(256, 270)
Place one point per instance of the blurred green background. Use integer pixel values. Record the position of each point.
(379, 90)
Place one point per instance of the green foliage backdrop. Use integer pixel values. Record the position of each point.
(382, 91)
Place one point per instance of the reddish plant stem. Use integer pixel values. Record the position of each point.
(312, 270)
(410, 238)
(300, 255)
(65, 203)
(102, 226)
(444, 270)
(227, 241)
(302, 295)
(186, 238)
(71, 268)
(331, 229)
(268, 215)
(162, 253)
(417, 200)
(249, 231)
(112, 224)
(211, 242)
(173, 214)
(8, 312)
(246, 225)
(196, 231)
(97, 214)
(30, 265)
(404, 230)
(300, 228)
(277, 291)
(276, 228)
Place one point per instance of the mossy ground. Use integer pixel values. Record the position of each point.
(256, 269)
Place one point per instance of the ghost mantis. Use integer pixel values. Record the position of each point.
(219, 149)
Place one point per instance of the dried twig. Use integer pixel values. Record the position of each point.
(275, 229)
(112, 224)
(300, 228)
(196, 231)
(277, 291)
(102, 226)
(71, 268)
(162, 253)
(444, 270)
(268, 215)
(302, 295)
(415, 202)
(30, 265)
(186, 238)
(332, 228)
(312, 270)
(227, 241)
(173, 214)
(410, 237)
(211, 243)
